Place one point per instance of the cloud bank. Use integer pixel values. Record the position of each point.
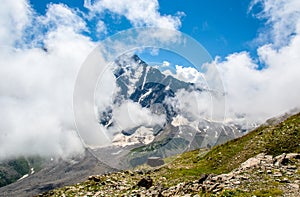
(41, 55)
(36, 84)
(139, 12)
(261, 94)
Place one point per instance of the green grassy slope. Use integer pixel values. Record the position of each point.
(273, 140)
(270, 139)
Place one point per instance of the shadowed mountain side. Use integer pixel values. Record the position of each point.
(57, 174)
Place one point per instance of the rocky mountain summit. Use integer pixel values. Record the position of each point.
(265, 162)
(175, 124)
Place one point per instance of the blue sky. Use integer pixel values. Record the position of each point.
(222, 27)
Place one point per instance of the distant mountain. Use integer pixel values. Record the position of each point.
(145, 85)
(149, 87)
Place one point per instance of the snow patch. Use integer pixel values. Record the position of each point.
(145, 77)
(145, 95)
(118, 152)
(23, 177)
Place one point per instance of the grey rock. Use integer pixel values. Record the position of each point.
(213, 187)
(293, 156)
(236, 182)
(281, 160)
(269, 171)
(295, 186)
(252, 162)
(285, 180)
(291, 167)
(155, 161)
(277, 174)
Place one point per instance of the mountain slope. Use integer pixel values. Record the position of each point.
(56, 174)
(14, 169)
(178, 176)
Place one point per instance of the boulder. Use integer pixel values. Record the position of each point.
(293, 156)
(281, 160)
(145, 182)
(252, 162)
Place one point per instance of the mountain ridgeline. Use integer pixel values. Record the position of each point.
(145, 85)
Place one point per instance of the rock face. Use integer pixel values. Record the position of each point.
(155, 161)
(261, 171)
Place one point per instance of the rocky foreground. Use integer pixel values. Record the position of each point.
(262, 175)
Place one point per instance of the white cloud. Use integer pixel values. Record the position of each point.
(261, 94)
(60, 15)
(193, 105)
(130, 114)
(101, 28)
(189, 74)
(36, 87)
(257, 94)
(106, 91)
(283, 18)
(14, 15)
(139, 12)
(165, 64)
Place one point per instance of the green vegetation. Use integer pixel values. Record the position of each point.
(274, 140)
(267, 192)
(138, 156)
(269, 139)
(13, 169)
(20, 165)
